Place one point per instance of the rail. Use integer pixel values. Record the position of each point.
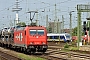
(61, 55)
(6, 56)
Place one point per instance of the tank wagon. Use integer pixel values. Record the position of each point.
(28, 39)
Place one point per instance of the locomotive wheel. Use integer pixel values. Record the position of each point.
(44, 50)
(33, 51)
(21, 49)
(25, 50)
(0, 44)
(10, 46)
(28, 51)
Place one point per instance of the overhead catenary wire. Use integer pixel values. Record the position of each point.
(46, 6)
(43, 7)
(10, 6)
(38, 9)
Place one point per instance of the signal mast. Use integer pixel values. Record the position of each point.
(17, 9)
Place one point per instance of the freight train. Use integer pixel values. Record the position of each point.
(28, 39)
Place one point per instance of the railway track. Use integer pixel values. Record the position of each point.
(50, 56)
(55, 54)
(56, 44)
(6, 55)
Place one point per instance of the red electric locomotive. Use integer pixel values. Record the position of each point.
(30, 39)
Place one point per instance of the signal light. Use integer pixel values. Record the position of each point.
(84, 22)
(87, 28)
(84, 26)
(85, 33)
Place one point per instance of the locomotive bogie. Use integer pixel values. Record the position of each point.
(38, 48)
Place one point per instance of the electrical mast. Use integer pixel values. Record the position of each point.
(62, 24)
(55, 21)
(47, 21)
(88, 20)
(17, 9)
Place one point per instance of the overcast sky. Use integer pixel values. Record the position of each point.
(63, 7)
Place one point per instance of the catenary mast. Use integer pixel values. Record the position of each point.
(17, 9)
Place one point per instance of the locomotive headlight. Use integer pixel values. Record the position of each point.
(31, 42)
(43, 42)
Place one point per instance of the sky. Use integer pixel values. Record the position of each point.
(63, 7)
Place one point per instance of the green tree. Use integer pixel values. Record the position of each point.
(21, 24)
(74, 32)
(33, 24)
(50, 30)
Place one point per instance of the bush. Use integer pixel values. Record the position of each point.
(66, 45)
(73, 48)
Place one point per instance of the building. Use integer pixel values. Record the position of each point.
(58, 27)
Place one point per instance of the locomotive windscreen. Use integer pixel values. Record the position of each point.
(33, 32)
(39, 32)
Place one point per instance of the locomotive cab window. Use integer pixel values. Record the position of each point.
(40, 32)
(33, 32)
